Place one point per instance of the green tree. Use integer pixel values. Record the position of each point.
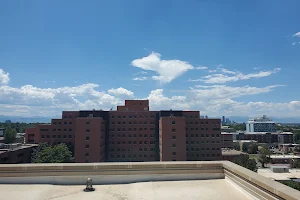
(252, 148)
(244, 161)
(237, 146)
(10, 135)
(264, 156)
(52, 154)
(245, 147)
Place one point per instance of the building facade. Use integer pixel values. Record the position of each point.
(261, 124)
(16, 153)
(133, 133)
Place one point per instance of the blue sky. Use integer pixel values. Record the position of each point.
(233, 58)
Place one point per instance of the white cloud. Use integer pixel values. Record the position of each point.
(121, 92)
(213, 100)
(212, 70)
(228, 71)
(296, 34)
(201, 67)
(143, 78)
(221, 78)
(168, 70)
(4, 77)
(138, 73)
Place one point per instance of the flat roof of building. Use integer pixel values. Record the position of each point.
(231, 152)
(24, 146)
(224, 189)
(284, 156)
(293, 173)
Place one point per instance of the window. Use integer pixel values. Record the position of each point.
(173, 122)
(134, 142)
(145, 149)
(70, 129)
(44, 129)
(145, 142)
(70, 122)
(145, 135)
(65, 129)
(87, 138)
(59, 136)
(43, 136)
(65, 136)
(70, 136)
(65, 122)
(54, 136)
(141, 142)
(87, 154)
(87, 146)
(174, 153)
(173, 145)
(173, 130)
(87, 122)
(174, 137)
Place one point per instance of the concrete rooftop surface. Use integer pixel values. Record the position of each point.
(197, 189)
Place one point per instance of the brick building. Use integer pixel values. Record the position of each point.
(16, 153)
(133, 133)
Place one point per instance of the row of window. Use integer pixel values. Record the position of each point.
(132, 156)
(132, 142)
(133, 135)
(140, 149)
(56, 136)
(61, 123)
(134, 122)
(131, 129)
(202, 129)
(202, 135)
(202, 141)
(196, 122)
(202, 149)
(133, 116)
(45, 130)
(202, 155)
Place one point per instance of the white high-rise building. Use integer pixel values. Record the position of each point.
(261, 124)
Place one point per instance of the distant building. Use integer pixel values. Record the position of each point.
(284, 159)
(229, 154)
(16, 153)
(227, 140)
(285, 138)
(261, 124)
(223, 120)
(227, 129)
(288, 148)
(2, 132)
(133, 133)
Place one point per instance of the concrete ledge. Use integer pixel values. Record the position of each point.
(270, 187)
(113, 173)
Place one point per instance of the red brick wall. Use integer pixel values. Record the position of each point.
(132, 136)
(90, 140)
(172, 139)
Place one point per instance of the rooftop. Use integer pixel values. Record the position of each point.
(15, 147)
(284, 156)
(231, 152)
(226, 188)
(149, 180)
